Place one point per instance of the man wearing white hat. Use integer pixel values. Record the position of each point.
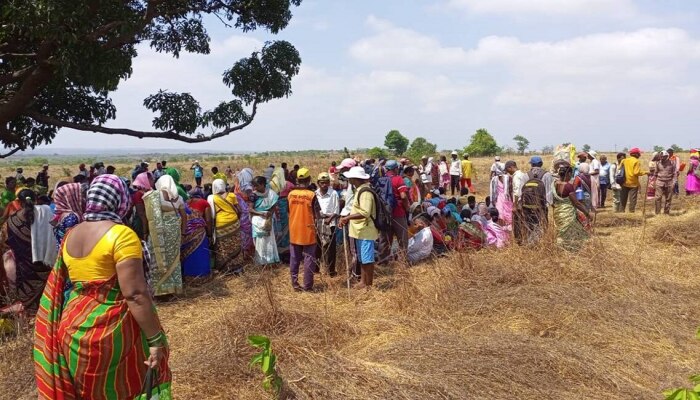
(497, 168)
(455, 173)
(361, 223)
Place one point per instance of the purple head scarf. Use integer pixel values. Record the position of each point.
(107, 199)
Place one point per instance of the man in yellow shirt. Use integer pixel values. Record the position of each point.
(630, 189)
(361, 220)
(468, 173)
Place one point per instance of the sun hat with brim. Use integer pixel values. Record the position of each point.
(593, 153)
(391, 165)
(454, 153)
(303, 173)
(635, 150)
(324, 177)
(356, 173)
(348, 163)
(433, 211)
(497, 158)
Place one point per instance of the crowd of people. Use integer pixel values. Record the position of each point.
(89, 257)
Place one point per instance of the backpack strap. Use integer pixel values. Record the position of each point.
(375, 197)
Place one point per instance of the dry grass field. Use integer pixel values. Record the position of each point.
(614, 321)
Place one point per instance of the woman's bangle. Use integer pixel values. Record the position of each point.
(157, 340)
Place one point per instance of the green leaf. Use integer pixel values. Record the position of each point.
(267, 383)
(257, 359)
(673, 394)
(697, 333)
(694, 378)
(268, 365)
(258, 340)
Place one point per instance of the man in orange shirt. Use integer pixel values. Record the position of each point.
(303, 212)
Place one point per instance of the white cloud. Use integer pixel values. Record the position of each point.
(581, 70)
(609, 8)
(399, 47)
(236, 44)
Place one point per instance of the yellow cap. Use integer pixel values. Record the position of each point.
(303, 173)
(324, 176)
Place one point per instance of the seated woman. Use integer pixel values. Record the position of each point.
(569, 212)
(501, 234)
(420, 246)
(106, 306)
(471, 235)
(437, 230)
(227, 239)
(29, 251)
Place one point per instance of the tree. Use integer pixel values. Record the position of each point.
(586, 148)
(676, 148)
(396, 142)
(483, 144)
(548, 149)
(420, 147)
(659, 148)
(60, 60)
(522, 143)
(376, 153)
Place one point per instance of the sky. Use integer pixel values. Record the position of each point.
(608, 73)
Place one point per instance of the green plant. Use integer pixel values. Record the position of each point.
(267, 359)
(686, 393)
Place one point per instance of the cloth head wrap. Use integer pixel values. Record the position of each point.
(107, 199)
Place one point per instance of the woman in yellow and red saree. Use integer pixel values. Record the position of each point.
(97, 332)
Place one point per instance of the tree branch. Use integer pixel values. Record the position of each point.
(45, 119)
(11, 152)
(32, 85)
(16, 76)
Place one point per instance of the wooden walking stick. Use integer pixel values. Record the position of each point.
(644, 210)
(346, 250)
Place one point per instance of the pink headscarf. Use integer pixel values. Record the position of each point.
(143, 181)
(69, 198)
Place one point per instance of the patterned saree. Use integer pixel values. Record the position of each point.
(88, 345)
(164, 243)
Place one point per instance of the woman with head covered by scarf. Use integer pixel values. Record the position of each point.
(196, 237)
(227, 238)
(70, 206)
(97, 298)
(139, 222)
(165, 211)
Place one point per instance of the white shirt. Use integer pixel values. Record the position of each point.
(420, 246)
(595, 165)
(519, 180)
(613, 172)
(329, 203)
(456, 167)
(348, 196)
